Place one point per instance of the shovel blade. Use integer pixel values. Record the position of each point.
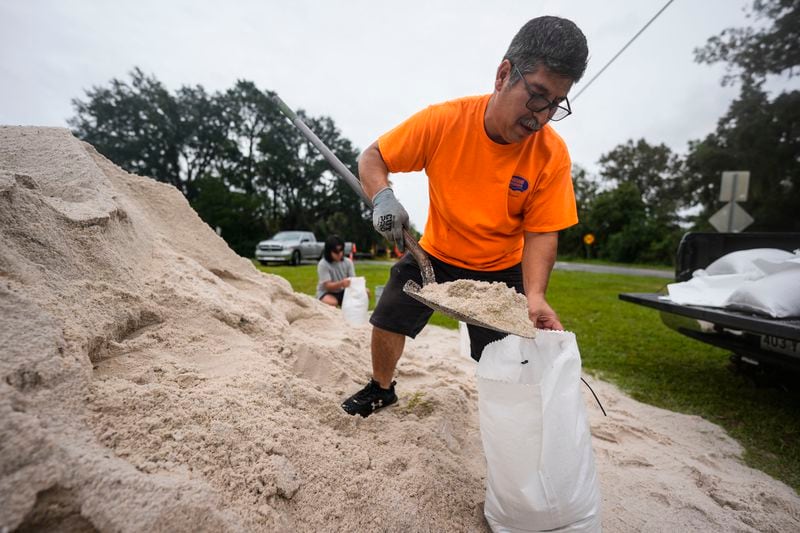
(412, 288)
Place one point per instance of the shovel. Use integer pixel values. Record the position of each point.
(411, 287)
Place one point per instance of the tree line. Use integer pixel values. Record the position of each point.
(245, 169)
(242, 166)
(645, 196)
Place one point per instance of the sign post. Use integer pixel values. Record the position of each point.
(733, 188)
(588, 240)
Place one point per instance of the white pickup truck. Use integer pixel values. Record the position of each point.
(289, 247)
(293, 247)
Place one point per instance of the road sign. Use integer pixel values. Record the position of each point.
(588, 239)
(734, 186)
(731, 218)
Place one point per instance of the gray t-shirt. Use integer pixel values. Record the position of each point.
(335, 271)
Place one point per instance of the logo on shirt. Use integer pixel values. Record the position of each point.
(518, 183)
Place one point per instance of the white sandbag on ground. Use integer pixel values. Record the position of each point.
(540, 466)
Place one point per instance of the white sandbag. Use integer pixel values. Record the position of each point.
(710, 291)
(742, 261)
(540, 466)
(771, 267)
(776, 295)
(355, 302)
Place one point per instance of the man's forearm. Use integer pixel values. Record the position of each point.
(538, 258)
(372, 170)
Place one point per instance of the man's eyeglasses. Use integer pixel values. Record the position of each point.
(538, 103)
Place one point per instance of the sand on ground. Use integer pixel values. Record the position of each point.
(152, 380)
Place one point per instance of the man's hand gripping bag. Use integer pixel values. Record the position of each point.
(540, 466)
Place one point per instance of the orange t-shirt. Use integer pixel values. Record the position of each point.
(483, 195)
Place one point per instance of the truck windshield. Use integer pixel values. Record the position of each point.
(287, 236)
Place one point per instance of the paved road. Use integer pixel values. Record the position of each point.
(608, 269)
(587, 267)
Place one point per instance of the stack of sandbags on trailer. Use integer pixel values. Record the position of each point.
(761, 280)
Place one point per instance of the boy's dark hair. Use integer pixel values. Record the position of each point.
(331, 243)
(553, 42)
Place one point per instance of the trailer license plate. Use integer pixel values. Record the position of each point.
(780, 345)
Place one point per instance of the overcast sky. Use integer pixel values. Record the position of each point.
(369, 64)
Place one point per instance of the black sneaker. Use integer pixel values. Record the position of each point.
(369, 399)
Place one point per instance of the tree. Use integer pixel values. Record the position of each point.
(761, 136)
(636, 217)
(752, 54)
(136, 125)
(237, 159)
(237, 214)
(570, 241)
(756, 134)
(653, 170)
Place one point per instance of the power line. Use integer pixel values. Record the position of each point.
(638, 33)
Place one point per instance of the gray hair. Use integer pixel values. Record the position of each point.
(553, 42)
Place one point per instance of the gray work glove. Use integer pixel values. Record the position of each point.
(389, 216)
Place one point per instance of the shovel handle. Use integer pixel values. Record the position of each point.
(337, 165)
(354, 183)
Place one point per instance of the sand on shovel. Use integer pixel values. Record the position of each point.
(495, 304)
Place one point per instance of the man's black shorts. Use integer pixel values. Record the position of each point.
(400, 313)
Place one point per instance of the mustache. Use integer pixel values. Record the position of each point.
(532, 123)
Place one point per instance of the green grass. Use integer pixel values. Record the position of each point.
(628, 345)
(304, 279)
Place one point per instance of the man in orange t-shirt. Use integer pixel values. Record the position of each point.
(500, 189)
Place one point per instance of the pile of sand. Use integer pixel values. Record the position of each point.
(151, 380)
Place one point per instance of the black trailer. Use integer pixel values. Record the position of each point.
(753, 339)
